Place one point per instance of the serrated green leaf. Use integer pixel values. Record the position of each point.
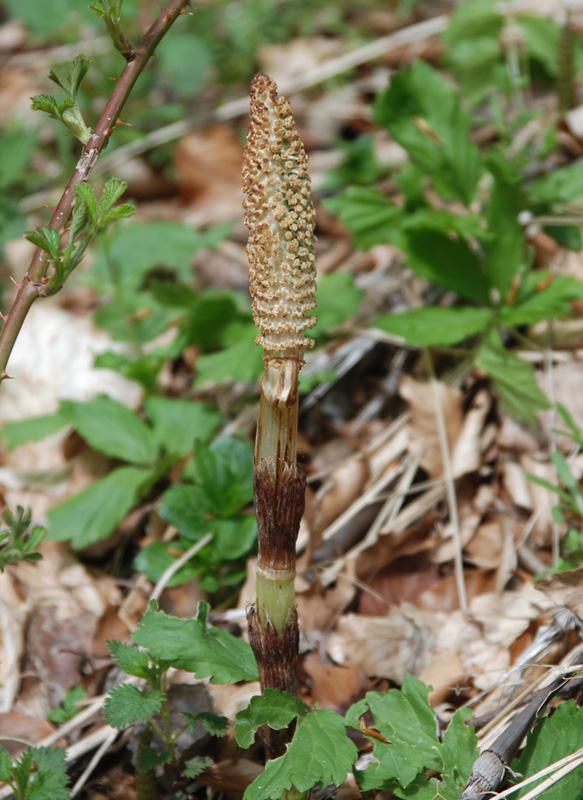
(423, 113)
(513, 379)
(131, 659)
(448, 262)
(85, 193)
(14, 434)
(319, 753)
(224, 469)
(93, 514)
(149, 758)
(434, 326)
(215, 724)
(505, 250)
(34, 538)
(179, 423)
(46, 103)
(273, 708)
(41, 772)
(553, 738)
(369, 215)
(561, 185)
(551, 302)
(115, 430)
(127, 704)
(77, 72)
(195, 766)
(242, 361)
(5, 765)
(47, 239)
(188, 644)
(111, 193)
(123, 211)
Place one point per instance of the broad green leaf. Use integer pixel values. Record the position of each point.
(242, 361)
(130, 659)
(551, 302)
(448, 262)
(435, 326)
(188, 508)
(369, 215)
(13, 434)
(542, 35)
(338, 300)
(319, 753)
(553, 738)
(127, 704)
(94, 513)
(513, 379)
(178, 423)
(190, 644)
(406, 719)
(225, 472)
(459, 750)
(505, 250)
(273, 708)
(216, 320)
(115, 430)
(154, 559)
(423, 113)
(444, 221)
(561, 185)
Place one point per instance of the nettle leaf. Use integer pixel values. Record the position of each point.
(14, 434)
(95, 512)
(273, 708)
(407, 720)
(131, 659)
(550, 302)
(115, 430)
(47, 239)
(513, 379)
(195, 766)
(5, 765)
(179, 423)
(369, 215)
(215, 724)
(149, 758)
(422, 112)
(127, 704)
(192, 645)
(42, 771)
(553, 738)
(435, 326)
(448, 262)
(319, 753)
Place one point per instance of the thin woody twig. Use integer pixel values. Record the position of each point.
(32, 285)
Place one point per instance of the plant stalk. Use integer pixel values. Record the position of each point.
(33, 284)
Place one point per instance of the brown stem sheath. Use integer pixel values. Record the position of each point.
(32, 285)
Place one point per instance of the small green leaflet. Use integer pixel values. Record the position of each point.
(273, 708)
(434, 326)
(320, 753)
(196, 765)
(192, 645)
(215, 724)
(552, 739)
(149, 758)
(127, 704)
(553, 301)
(5, 765)
(513, 379)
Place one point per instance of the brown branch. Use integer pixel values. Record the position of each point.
(33, 283)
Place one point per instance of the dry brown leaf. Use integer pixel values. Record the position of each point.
(332, 686)
(565, 589)
(543, 499)
(423, 436)
(16, 725)
(13, 613)
(386, 647)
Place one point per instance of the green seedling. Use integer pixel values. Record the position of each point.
(37, 774)
(18, 541)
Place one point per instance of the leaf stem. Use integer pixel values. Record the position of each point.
(35, 280)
